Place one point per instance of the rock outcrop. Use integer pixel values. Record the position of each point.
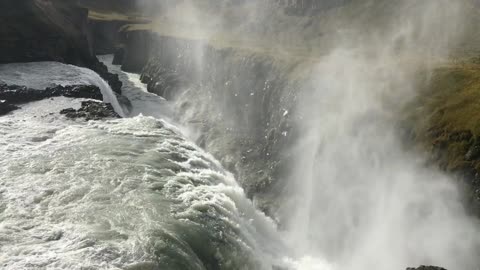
(91, 110)
(6, 107)
(105, 35)
(48, 30)
(15, 94)
(138, 45)
(10, 95)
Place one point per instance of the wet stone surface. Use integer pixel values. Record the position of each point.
(423, 267)
(6, 107)
(91, 110)
(15, 94)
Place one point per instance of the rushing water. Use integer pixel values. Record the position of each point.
(135, 193)
(131, 193)
(364, 200)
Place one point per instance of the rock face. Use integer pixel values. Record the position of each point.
(118, 56)
(15, 94)
(91, 110)
(6, 107)
(48, 30)
(137, 50)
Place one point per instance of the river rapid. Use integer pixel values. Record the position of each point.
(130, 193)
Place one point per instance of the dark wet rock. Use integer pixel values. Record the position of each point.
(105, 35)
(474, 151)
(165, 83)
(125, 103)
(137, 49)
(6, 107)
(15, 94)
(54, 236)
(118, 56)
(91, 110)
(423, 267)
(112, 79)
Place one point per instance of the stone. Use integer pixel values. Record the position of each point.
(91, 110)
(6, 107)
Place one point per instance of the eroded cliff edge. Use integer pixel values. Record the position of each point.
(241, 103)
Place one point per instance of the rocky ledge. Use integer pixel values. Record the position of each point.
(10, 95)
(91, 110)
(6, 107)
(15, 94)
(423, 267)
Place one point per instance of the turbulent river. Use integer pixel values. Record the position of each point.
(136, 193)
(132, 193)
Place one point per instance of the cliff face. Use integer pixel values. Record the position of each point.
(35, 30)
(105, 35)
(47, 30)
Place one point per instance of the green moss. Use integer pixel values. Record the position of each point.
(455, 154)
(446, 114)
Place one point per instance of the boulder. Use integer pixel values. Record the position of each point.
(91, 110)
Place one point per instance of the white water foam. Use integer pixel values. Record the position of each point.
(130, 193)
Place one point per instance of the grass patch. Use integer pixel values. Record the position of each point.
(446, 114)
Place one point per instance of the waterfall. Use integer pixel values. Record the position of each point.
(364, 201)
